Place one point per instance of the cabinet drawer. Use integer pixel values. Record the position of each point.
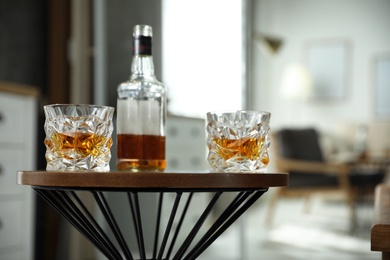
(184, 159)
(13, 113)
(10, 223)
(10, 162)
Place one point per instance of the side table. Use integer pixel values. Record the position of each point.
(380, 230)
(61, 190)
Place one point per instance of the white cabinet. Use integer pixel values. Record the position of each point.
(186, 144)
(18, 123)
(11, 224)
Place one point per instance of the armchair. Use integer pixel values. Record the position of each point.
(298, 152)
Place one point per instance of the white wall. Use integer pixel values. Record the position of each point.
(364, 24)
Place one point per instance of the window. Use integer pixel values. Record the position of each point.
(203, 55)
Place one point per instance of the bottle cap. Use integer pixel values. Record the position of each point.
(142, 30)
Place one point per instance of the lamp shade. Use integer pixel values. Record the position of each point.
(296, 82)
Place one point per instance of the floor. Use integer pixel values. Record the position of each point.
(324, 233)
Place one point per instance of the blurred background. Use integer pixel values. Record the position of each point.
(311, 63)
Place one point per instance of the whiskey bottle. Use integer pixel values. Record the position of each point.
(141, 111)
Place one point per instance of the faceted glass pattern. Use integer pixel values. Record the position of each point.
(238, 141)
(78, 137)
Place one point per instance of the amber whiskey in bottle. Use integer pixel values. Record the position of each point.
(141, 111)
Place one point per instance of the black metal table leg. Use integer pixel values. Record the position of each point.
(135, 210)
(231, 214)
(158, 221)
(91, 233)
(71, 206)
(179, 224)
(102, 203)
(169, 226)
(196, 227)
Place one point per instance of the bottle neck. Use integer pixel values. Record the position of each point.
(142, 64)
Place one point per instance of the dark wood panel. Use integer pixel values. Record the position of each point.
(58, 65)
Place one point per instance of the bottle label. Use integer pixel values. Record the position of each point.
(142, 45)
(138, 117)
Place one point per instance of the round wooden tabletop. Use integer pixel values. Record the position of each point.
(152, 180)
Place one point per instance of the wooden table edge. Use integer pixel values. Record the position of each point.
(151, 179)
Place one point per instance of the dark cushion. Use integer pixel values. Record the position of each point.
(301, 180)
(367, 179)
(300, 144)
(303, 144)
